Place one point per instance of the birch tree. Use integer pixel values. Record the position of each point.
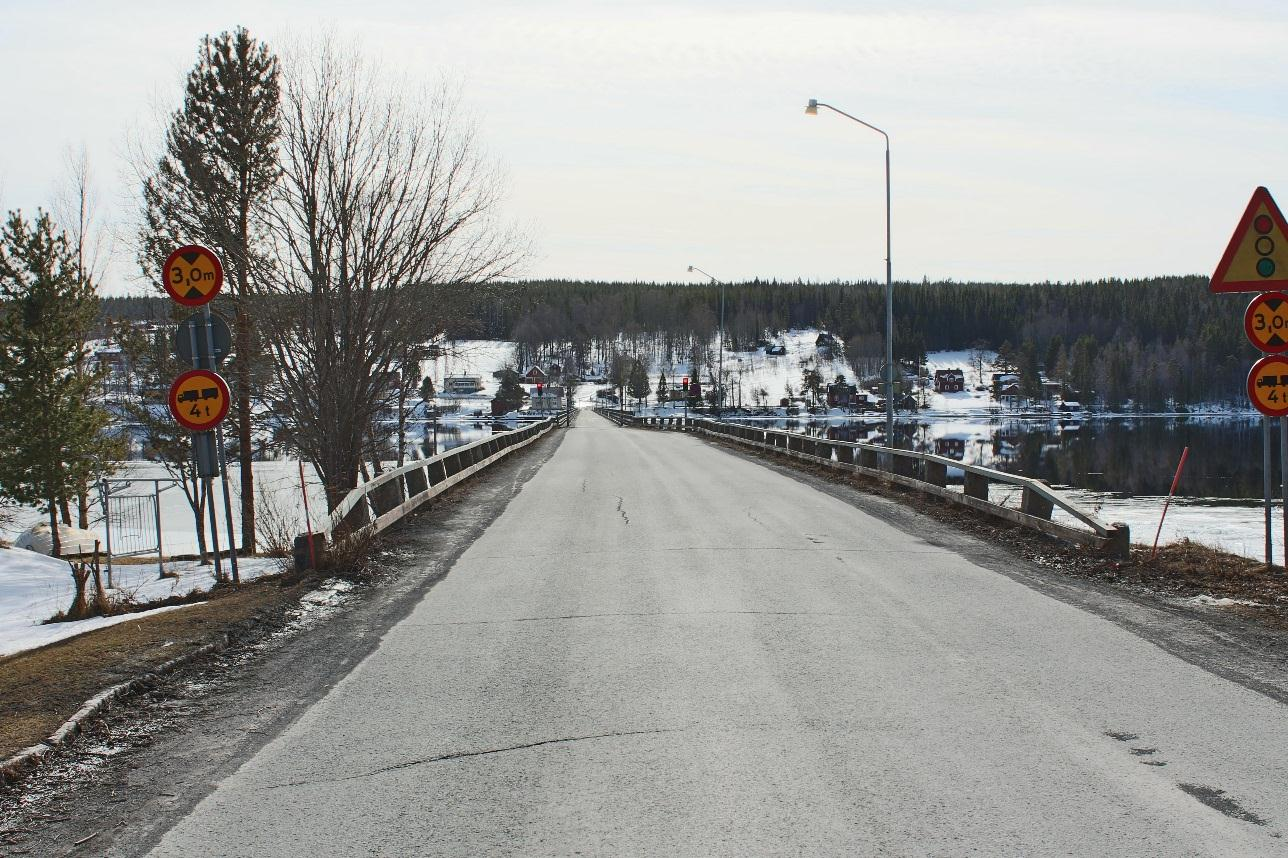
(384, 198)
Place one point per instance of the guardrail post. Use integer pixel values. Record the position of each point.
(976, 486)
(303, 558)
(936, 473)
(417, 482)
(1035, 504)
(1119, 544)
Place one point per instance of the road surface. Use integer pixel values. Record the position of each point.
(663, 648)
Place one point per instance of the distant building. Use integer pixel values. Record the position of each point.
(462, 384)
(545, 402)
(950, 381)
(825, 342)
(841, 394)
(953, 448)
(534, 375)
(776, 349)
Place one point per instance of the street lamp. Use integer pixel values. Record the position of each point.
(720, 370)
(811, 109)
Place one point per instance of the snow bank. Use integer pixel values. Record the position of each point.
(34, 587)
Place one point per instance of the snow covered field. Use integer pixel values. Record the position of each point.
(33, 588)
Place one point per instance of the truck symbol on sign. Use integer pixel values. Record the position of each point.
(194, 395)
(1273, 381)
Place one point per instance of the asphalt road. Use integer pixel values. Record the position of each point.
(663, 648)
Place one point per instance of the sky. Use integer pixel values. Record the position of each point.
(1029, 141)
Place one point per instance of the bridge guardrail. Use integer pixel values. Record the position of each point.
(923, 472)
(383, 501)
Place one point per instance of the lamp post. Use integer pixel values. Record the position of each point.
(720, 370)
(811, 109)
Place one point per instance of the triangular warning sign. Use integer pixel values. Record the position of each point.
(1256, 259)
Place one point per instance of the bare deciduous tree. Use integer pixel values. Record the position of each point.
(383, 197)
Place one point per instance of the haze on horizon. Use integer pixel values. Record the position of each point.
(1030, 142)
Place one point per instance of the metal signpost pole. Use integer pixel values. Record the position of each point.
(1283, 478)
(219, 447)
(156, 495)
(228, 504)
(1265, 466)
(206, 441)
(201, 453)
(105, 488)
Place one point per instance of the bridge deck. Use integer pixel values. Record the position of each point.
(663, 648)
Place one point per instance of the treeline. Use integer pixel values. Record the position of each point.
(1151, 342)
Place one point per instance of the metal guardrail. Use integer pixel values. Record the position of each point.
(381, 502)
(923, 472)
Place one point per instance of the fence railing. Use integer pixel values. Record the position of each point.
(924, 472)
(383, 501)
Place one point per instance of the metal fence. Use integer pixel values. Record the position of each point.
(924, 472)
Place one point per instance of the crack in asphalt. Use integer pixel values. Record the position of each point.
(625, 517)
(627, 614)
(465, 755)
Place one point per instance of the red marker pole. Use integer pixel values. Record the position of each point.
(1176, 479)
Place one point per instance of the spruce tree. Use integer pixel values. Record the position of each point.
(53, 437)
(209, 188)
(638, 382)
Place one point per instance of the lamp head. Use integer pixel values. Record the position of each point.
(811, 109)
(690, 269)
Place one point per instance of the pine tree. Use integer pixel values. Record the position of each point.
(53, 437)
(638, 382)
(1030, 375)
(663, 389)
(209, 187)
(509, 395)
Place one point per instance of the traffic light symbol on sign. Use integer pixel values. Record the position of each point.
(1256, 259)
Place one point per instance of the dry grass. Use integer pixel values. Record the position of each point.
(1189, 569)
(41, 688)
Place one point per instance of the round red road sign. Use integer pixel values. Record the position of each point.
(1266, 322)
(193, 275)
(199, 400)
(1268, 385)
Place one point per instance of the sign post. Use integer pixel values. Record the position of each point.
(199, 399)
(1256, 260)
(1268, 392)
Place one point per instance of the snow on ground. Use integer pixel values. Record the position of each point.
(34, 587)
(969, 400)
(278, 493)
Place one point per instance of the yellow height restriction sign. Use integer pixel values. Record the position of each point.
(193, 275)
(1256, 259)
(1266, 322)
(1268, 386)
